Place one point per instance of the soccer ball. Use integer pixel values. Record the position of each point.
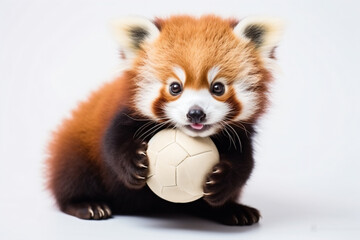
(178, 165)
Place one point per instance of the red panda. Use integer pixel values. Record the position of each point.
(206, 76)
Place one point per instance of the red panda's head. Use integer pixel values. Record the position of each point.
(200, 74)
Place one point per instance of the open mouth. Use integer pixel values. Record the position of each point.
(198, 127)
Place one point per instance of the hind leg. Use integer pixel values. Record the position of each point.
(83, 198)
(230, 213)
(96, 211)
(78, 189)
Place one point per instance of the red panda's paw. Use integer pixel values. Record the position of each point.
(138, 169)
(237, 215)
(89, 211)
(218, 188)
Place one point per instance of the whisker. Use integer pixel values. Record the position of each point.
(153, 130)
(226, 131)
(244, 128)
(238, 124)
(135, 119)
(241, 127)
(150, 129)
(143, 119)
(143, 127)
(235, 135)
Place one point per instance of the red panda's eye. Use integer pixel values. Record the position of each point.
(175, 88)
(218, 89)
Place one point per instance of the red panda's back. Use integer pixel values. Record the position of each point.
(80, 135)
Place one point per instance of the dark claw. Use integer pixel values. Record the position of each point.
(216, 188)
(139, 177)
(217, 171)
(237, 214)
(142, 165)
(210, 182)
(89, 211)
(138, 170)
(140, 152)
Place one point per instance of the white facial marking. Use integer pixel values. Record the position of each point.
(180, 73)
(215, 111)
(248, 100)
(212, 74)
(149, 89)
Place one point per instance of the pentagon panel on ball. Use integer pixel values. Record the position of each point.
(179, 164)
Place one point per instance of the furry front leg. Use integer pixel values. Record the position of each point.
(224, 183)
(130, 164)
(219, 186)
(125, 154)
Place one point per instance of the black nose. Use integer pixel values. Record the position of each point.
(196, 115)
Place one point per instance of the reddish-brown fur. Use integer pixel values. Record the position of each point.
(79, 146)
(196, 45)
(85, 129)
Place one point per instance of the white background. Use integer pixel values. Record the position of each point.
(306, 181)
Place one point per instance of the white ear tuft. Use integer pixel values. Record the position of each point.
(264, 32)
(131, 32)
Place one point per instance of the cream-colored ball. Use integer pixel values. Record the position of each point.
(178, 165)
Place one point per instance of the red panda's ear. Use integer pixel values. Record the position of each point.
(264, 32)
(132, 32)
